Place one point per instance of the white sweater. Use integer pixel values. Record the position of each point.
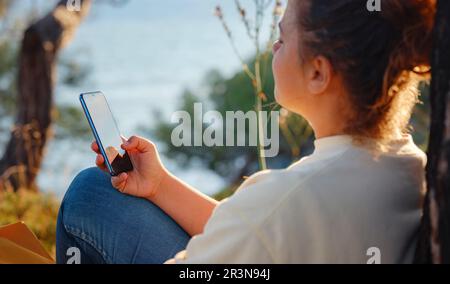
(334, 206)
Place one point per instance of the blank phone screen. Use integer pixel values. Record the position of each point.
(107, 131)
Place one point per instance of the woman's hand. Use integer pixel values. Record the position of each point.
(190, 208)
(148, 173)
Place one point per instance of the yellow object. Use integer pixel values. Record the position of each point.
(18, 245)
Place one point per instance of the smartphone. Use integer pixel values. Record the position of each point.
(106, 132)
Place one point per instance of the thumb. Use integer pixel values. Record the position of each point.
(119, 182)
(139, 144)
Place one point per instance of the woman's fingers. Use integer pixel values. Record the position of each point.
(119, 182)
(94, 147)
(100, 162)
(139, 144)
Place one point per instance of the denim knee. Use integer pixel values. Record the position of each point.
(88, 188)
(96, 215)
(79, 214)
(85, 182)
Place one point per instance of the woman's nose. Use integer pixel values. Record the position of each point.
(276, 46)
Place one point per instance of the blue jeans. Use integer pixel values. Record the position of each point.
(110, 227)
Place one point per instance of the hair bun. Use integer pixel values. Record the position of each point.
(414, 20)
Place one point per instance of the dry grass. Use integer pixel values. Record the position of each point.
(38, 210)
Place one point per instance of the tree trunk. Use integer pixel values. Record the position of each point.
(434, 237)
(41, 44)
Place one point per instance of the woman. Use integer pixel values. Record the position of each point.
(353, 75)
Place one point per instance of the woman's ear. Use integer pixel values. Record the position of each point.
(319, 75)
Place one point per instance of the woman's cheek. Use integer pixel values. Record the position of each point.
(274, 63)
(276, 67)
(288, 86)
(275, 74)
(279, 75)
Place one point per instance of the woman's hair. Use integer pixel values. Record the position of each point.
(381, 56)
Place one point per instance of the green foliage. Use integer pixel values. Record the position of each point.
(237, 94)
(8, 71)
(38, 210)
(69, 119)
(7, 58)
(73, 72)
(226, 192)
(420, 121)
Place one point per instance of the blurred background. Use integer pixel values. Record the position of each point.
(150, 58)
